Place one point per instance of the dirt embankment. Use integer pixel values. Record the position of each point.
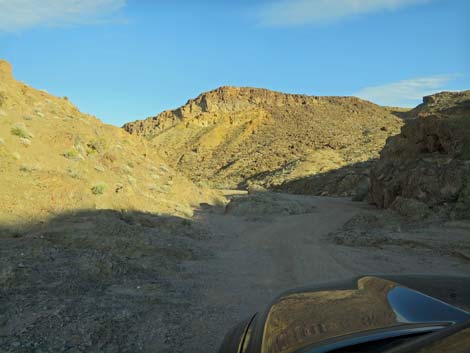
(55, 159)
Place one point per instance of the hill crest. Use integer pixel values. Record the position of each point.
(231, 136)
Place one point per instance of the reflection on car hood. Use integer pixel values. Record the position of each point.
(306, 319)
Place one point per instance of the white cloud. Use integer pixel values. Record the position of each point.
(405, 93)
(301, 12)
(20, 14)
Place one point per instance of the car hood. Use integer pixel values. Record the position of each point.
(324, 319)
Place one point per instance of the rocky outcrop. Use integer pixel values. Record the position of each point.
(236, 136)
(429, 161)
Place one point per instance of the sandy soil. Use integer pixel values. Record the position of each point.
(256, 259)
(107, 281)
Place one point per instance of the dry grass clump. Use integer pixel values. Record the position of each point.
(21, 131)
(96, 146)
(72, 154)
(126, 169)
(29, 168)
(131, 179)
(99, 189)
(3, 98)
(73, 173)
(25, 141)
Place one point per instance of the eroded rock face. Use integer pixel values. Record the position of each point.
(237, 136)
(429, 161)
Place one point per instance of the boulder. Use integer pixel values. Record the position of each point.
(411, 208)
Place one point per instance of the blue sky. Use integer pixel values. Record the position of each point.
(125, 60)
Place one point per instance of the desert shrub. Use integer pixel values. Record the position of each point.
(99, 168)
(3, 98)
(367, 135)
(2, 141)
(25, 141)
(80, 149)
(29, 168)
(71, 154)
(126, 169)
(20, 131)
(96, 146)
(131, 179)
(109, 157)
(73, 173)
(98, 189)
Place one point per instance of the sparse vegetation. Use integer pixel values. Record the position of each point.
(28, 168)
(73, 173)
(96, 146)
(3, 98)
(131, 179)
(126, 169)
(25, 141)
(21, 131)
(99, 189)
(109, 157)
(219, 147)
(72, 154)
(367, 133)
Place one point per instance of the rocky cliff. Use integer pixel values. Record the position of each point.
(231, 137)
(427, 166)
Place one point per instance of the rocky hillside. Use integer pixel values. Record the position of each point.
(53, 159)
(427, 166)
(231, 137)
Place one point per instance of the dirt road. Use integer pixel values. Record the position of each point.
(125, 282)
(256, 259)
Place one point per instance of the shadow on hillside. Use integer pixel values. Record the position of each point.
(350, 180)
(402, 114)
(98, 280)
